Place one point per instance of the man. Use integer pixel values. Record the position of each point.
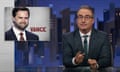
(86, 46)
(20, 22)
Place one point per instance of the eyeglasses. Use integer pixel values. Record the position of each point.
(87, 17)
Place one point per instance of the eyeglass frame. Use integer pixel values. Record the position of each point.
(87, 17)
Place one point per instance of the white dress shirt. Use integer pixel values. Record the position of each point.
(17, 33)
(82, 38)
(88, 38)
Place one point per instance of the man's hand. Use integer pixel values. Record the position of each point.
(93, 63)
(79, 57)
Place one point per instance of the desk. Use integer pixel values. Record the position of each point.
(62, 69)
(87, 69)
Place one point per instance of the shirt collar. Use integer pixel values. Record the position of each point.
(17, 31)
(82, 34)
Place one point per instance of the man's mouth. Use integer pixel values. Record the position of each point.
(83, 24)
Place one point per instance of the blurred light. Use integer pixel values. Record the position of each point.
(51, 5)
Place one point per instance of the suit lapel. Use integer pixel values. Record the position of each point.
(27, 35)
(92, 44)
(78, 41)
(13, 34)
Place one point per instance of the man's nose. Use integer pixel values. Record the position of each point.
(23, 20)
(83, 19)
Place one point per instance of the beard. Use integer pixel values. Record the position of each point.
(20, 27)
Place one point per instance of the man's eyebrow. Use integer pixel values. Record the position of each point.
(80, 15)
(20, 17)
(88, 15)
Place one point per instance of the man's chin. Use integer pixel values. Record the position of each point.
(21, 28)
(83, 28)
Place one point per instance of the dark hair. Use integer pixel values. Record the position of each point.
(87, 7)
(16, 9)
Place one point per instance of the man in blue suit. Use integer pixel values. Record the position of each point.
(20, 18)
(86, 46)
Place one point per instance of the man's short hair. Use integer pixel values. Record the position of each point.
(87, 7)
(16, 9)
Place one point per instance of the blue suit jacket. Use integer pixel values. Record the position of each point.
(99, 48)
(9, 35)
